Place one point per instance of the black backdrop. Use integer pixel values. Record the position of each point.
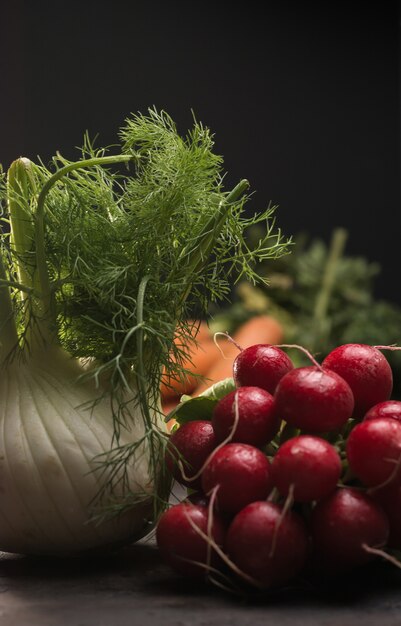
(303, 98)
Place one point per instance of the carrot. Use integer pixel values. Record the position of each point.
(200, 329)
(201, 356)
(258, 329)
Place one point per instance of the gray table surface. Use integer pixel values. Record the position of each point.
(133, 586)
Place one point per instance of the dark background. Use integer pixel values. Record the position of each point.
(303, 98)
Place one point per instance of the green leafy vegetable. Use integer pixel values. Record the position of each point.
(201, 407)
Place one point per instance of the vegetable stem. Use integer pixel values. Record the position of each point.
(19, 181)
(143, 391)
(139, 343)
(20, 187)
(8, 329)
(16, 285)
(323, 298)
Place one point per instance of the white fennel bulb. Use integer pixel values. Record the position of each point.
(105, 259)
(51, 445)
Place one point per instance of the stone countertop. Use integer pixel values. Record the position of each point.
(133, 586)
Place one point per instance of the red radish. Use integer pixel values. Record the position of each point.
(180, 543)
(374, 451)
(256, 421)
(257, 328)
(367, 372)
(267, 544)
(309, 464)
(261, 365)
(187, 450)
(389, 408)
(390, 499)
(344, 527)
(314, 399)
(242, 474)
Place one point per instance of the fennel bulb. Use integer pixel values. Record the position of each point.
(49, 461)
(104, 259)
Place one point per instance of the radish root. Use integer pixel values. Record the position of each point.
(224, 556)
(304, 350)
(287, 505)
(383, 554)
(210, 522)
(390, 479)
(227, 336)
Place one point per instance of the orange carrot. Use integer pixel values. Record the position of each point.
(201, 356)
(202, 328)
(258, 329)
(201, 359)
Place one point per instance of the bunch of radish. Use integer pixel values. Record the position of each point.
(298, 471)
